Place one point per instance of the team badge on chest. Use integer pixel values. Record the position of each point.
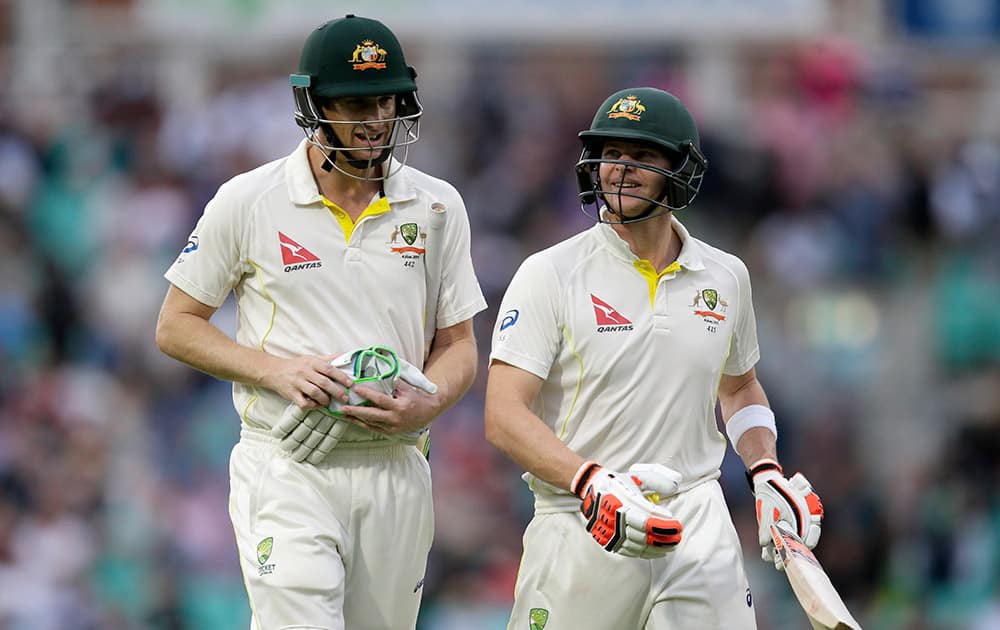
(710, 307)
(409, 240)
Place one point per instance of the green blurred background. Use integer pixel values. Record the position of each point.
(854, 152)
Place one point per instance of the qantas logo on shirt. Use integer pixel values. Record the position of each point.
(295, 256)
(608, 319)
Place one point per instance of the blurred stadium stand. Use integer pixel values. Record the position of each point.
(855, 166)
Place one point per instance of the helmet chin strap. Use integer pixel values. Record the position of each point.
(328, 160)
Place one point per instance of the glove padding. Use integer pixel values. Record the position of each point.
(380, 368)
(779, 499)
(308, 435)
(620, 517)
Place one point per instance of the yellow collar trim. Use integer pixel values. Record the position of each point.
(379, 206)
(652, 277)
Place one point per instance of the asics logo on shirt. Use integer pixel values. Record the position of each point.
(296, 256)
(509, 319)
(608, 319)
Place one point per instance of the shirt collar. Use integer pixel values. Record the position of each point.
(399, 185)
(688, 258)
(302, 189)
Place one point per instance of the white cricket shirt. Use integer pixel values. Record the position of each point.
(309, 281)
(631, 360)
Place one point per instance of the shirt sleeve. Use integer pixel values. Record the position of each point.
(528, 330)
(743, 351)
(210, 264)
(460, 296)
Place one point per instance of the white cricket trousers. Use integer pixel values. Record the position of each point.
(568, 582)
(335, 546)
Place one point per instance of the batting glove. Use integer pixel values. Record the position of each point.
(380, 368)
(778, 499)
(655, 481)
(308, 435)
(618, 515)
(412, 375)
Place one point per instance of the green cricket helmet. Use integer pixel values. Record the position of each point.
(646, 115)
(355, 56)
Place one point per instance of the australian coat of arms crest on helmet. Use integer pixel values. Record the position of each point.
(629, 107)
(368, 55)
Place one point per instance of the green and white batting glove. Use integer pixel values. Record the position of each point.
(409, 373)
(308, 434)
(380, 368)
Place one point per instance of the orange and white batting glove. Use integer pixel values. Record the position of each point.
(779, 499)
(618, 515)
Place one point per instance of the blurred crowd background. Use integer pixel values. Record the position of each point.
(854, 152)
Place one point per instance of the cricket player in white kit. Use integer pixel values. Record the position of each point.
(336, 247)
(609, 354)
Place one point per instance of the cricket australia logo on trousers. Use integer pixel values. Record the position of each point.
(264, 549)
(538, 617)
(608, 319)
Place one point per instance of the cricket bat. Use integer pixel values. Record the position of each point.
(812, 587)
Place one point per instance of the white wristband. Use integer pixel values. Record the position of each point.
(747, 418)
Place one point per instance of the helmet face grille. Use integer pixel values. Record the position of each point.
(681, 186)
(405, 132)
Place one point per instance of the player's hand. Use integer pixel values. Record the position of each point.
(407, 411)
(778, 499)
(378, 368)
(308, 434)
(308, 381)
(619, 516)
